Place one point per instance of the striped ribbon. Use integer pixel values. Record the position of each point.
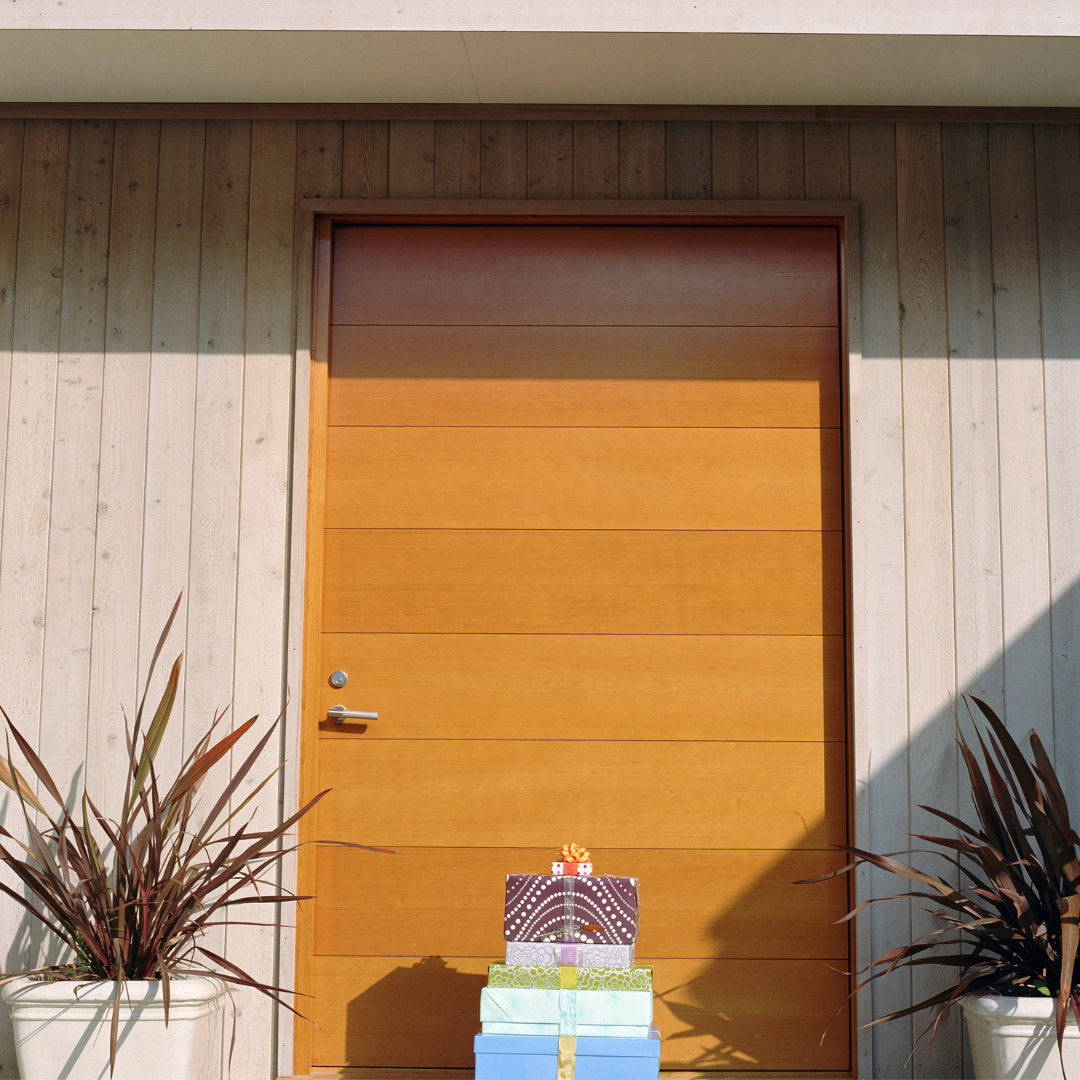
(568, 980)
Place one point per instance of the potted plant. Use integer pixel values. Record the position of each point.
(1010, 933)
(141, 996)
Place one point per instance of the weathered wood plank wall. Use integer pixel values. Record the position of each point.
(147, 313)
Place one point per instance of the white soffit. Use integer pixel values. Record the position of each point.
(1024, 18)
(589, 68)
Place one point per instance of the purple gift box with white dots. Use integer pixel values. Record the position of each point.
(543, 908)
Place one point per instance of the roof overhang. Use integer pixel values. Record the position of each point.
(768, 52)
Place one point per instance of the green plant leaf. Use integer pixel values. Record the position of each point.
(157, 729)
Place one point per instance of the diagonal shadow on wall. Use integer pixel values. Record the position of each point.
(708, 1016)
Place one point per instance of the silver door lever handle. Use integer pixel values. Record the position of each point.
(337, 713)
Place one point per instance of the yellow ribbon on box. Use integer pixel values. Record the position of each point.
(567, 1043)
(567, 1057)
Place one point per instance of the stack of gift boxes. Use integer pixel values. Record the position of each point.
(569, 1003)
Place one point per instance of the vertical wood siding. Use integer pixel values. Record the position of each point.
(887, 764)
(147, 314)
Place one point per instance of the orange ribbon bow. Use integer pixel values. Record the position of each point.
(573, 853)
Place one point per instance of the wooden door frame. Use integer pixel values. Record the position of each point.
(315, 221)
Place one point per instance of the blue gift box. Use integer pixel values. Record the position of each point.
(536, 1057)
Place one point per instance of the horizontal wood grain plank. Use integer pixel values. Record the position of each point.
(418, 1012)
(617, 794)
(397, 1011)
(602, 275)
(583, 478)
(751, 1014)
(567, 686)
(590, 376)
(704, 904)
(582, 582)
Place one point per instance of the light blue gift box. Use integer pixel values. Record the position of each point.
(525, 1057)
(565, 1012)
(596, 1031)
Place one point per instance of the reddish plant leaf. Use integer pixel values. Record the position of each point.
(139, 913)
(1014, 926)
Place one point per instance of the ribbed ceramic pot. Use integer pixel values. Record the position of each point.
(62, 1030)
(1012, 1038)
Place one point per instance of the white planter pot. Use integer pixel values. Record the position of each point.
(62, 1030)
(1012, 1038)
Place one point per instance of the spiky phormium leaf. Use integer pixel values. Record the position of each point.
(1013, 927)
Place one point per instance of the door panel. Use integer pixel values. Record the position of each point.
(679, 794)
(582, 551)
(582, 582)
(583, 478)
(591, 276)
(683, 890)
(593, 686)
(586, 376)
(719, 1014)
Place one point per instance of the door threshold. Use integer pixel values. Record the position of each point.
(385, 1074)
(466, 1074)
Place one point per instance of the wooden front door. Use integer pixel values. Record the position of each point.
(582, 552)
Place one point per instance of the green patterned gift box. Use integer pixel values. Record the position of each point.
(522, 977)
